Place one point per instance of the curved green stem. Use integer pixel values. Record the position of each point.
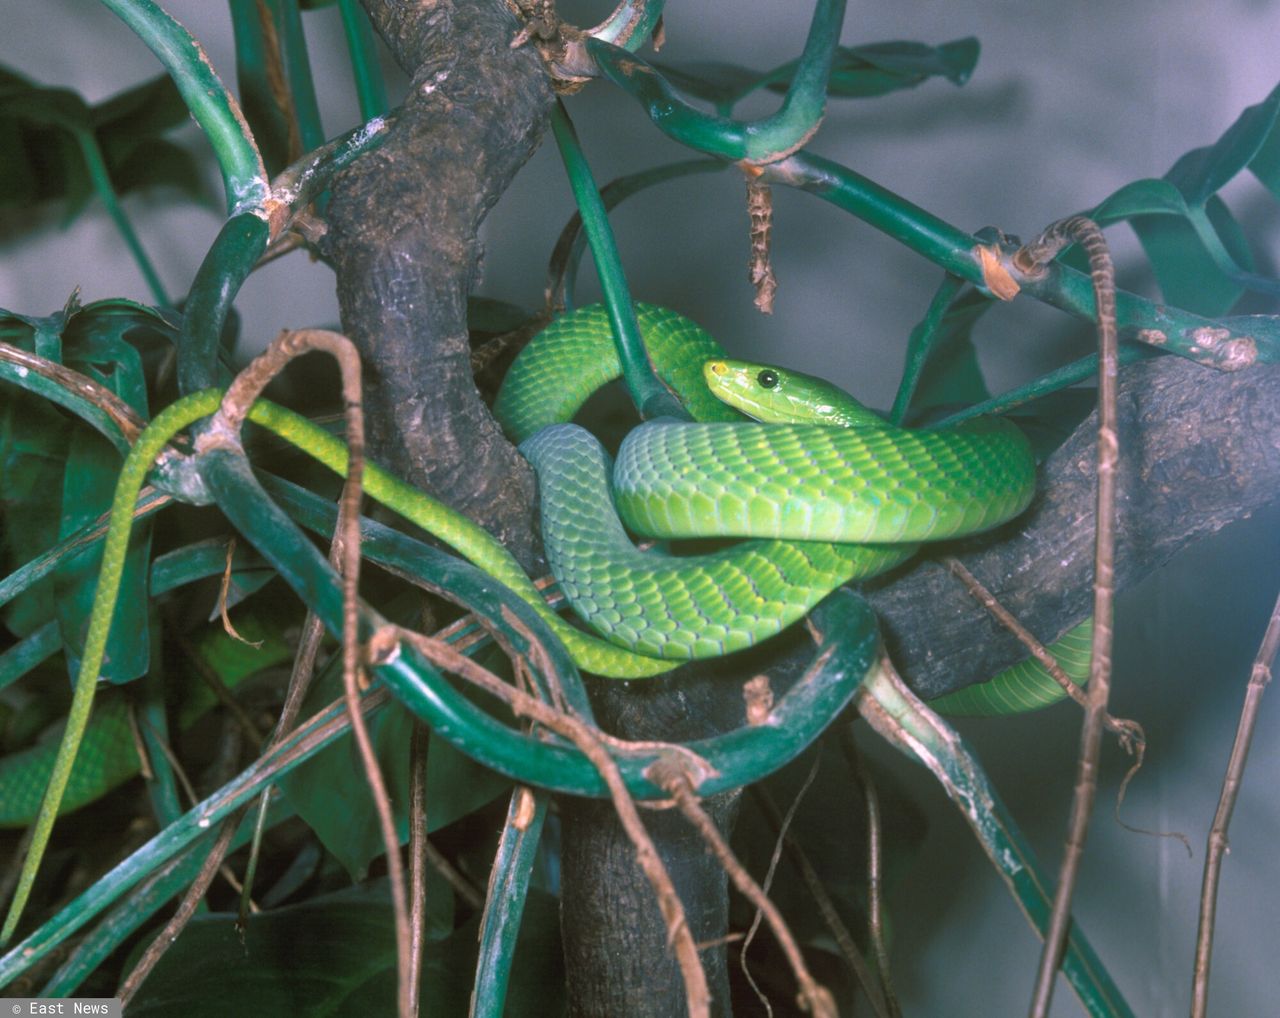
(234, 253)
(630, 24)
(562, 271)
(757, 141)
(371, 90)
(650, 396)
(213, 107)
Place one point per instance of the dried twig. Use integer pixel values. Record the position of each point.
(760, 265)
(223, 430)
(782, 826)
(1259, 677)
(417, 855)
(385, 644)
(186, 909)
(123, 415)
(224, 592)
(817, 888)
(668, 773)
(875, 869)
(1030, 260)
(1130, 733)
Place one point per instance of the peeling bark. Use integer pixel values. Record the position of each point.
(402, 237)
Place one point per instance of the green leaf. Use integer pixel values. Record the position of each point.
(154, 162)
(331, 794)
(89, 482)
(144, 111)
(856, 71)
(1203, 172)
(1265, 165)
(952, 375)
(33, 448)
(1151, 196)
(328, 956)
(335, 956)
(879, 68)
(1187, 275)
(43, 132)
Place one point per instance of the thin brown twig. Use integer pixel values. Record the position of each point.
(1259, 677)
(124, 416)
(417, 855)
(224, 594)
(760, 264)
(385, 644)
(224, 430)
(1031, 260)
(1130, 733)
(669, 774)
(186, 909)
(814, 882)
(781, 840)
(875, 868)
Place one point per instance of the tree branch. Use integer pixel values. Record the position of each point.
(403, 241)
(1200, 452)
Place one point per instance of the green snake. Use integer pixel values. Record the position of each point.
(834, 494)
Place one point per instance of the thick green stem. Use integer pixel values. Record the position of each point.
(371, 90)
(650, 396)
(213, 107)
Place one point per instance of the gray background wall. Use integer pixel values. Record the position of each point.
(1069, 102)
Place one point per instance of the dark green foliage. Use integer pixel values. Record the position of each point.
(42, 131)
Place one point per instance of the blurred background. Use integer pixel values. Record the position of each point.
(1068, 103)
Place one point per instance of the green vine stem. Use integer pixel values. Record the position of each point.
(630, 24)
(650, 396)
(297, 64)
(504, 905)
(562, 269)
(371, 89)
(234, 253)
(899, 717)
(214, 108)
(1227, 344)
(758, 141)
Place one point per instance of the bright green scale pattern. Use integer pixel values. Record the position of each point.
(805, 492)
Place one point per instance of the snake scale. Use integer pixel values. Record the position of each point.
(834, 495)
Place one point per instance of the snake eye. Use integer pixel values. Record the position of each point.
(768, 378)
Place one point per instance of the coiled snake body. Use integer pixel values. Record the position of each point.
(841, 496)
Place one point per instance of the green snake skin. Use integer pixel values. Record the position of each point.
(825, 504)
(662, 608)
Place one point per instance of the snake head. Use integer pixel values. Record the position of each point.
(778, 395)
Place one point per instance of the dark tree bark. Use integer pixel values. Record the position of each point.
(1199, 449)
(402, 239)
